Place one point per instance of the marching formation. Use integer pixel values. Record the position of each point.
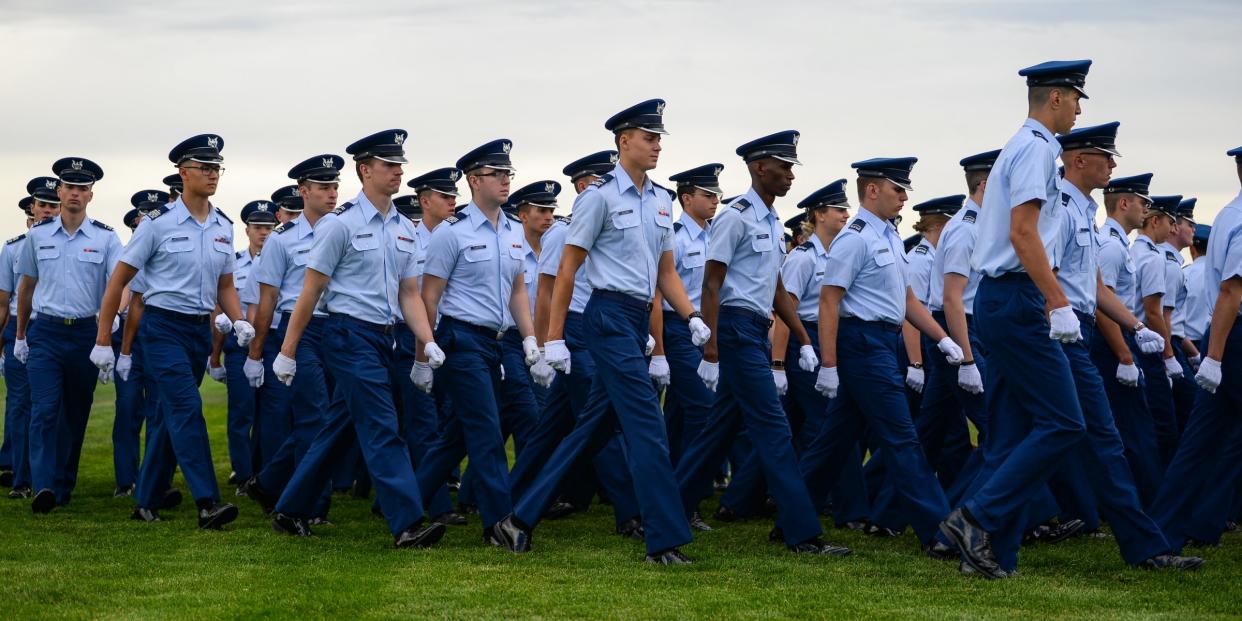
(371, 344)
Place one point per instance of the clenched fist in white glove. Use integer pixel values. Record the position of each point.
(969, 378)
(951, 351)
(422, 376)
(915, 379)
(530, 349)
(244, 332)
(542, 372)
(101, 356)
(1148, 340)
(1127, 375)
(223, 324)
(650, 346)
(659, 371)
(557, 355)
(699, 332)
(1172, 367)
(1064, 325)
(21, 350)
(782, 382)
(709, 372)
(827, 382)
(284, 368)
(253, 370)
(124, 364)
(1208, 376)
(435, 355)
(220, 374)
(807, 360)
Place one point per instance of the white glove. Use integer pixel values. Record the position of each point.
(1, 364)
(542, 372)
(699, 332)
(1148, 340)
(21, 350)
(220, 374)
(435, 355)
(659, 371)
(105, 376)
(422, 376)
(101, 356)
(1194, 361)
(1127, 375)
(1172, 367)
(284, 368)
(782, 382)
(807, 360)
(124, 363)
(915, 379)
(1208, 376)
(951, 351)
(244, 332)
(253, 370)
(827, 382)
(223, 325)
(969, 378)
(709, 372)
(502, 371)
(530, 347)
(557, 355)
(650, 347)
(1065, 326)
(116, 323)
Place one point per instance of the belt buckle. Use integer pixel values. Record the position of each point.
(68, 321)
(500, 335)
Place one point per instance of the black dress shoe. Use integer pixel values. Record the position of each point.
(1231, 526)
(967, 570)
(466, 509)
(940, 552)
(671, 556)
(232, 478)
(145, 515)
(318, 521)
(250, 487)
(858, 525)
(450, 518)
(44, 501)
(875, 530)
(1054, 533)
(213, 516)
(973, 542)
(6, 478)
(632, 529)
(697, 523)
(172, 498)
(818, 546)
(508, 534)
(558, 510)
(419, 536)
(1172, 561)
(725, 514)
(20, 492)
(289, 525)
(721, 483)
(123, 492)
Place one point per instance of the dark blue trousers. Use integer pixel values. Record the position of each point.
(1159, 393)
(358, 357)
(1132, 418)
(273, 415)
(132, 409)
(420, 419)
(1184, 387)
(16, 410)
(471, 375)
(687, 399)
(175, 351)
(616, 329)
(243, 404)
(62, 389)
(946, 408)
(1197, 495)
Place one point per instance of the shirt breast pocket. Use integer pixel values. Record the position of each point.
(761, 242)
(478, 253)
(884, 259)
(222, 247)
(695, 258)
(1129, 265)
(91, 256)
(364, 242)
(178, 245)
(300, 256)
(624, 219)
(48, 253)
(1083, 238)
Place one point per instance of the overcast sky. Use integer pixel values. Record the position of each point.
(122, 82)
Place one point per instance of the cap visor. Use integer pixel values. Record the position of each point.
(710, 189)
(204, 160)
(392, 159)
(1112, 152)
(650, 130)
(1081, 92)
(905, 186)
(453, 194)
(786, 158)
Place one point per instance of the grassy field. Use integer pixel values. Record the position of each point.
(89, 561)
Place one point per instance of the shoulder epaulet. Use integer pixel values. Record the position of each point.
(43, 221)
(970, 216)
(858, 225)
(284, 226)
(601, 180)
(920, 249)
(1064, 199)
(805, 246)
(222, 215)
(101, 225)
(237, 255)
(740, 204)
(1115, 234)
(16, 239)
(344, 207)
(513, 217)
(670, 193)
(1039, 134)
(565, 219)
(1168, 254)
(1150, 245)
(677, 226)
(451, 220)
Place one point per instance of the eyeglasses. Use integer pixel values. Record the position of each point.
(207, 170)
(505, 174)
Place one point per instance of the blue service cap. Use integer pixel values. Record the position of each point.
(77, 171)
(795, 223)
(386, 146)
(895, 169)
(831, 195)
(259, 212)
(593, 164)
(944, 205)
(494, 154)
(980, 161)
(537, 194)
(174, 183)
(1202, 231)
(1166, 204)
(288, 198)
(1137, 184)
(1186, 209)
(1099, 137)
(131, 219)
(203, 148)
(24, 204)
(44, 189)
(146, 200)
(324, 168)
(1072, 73)
(408, 206)
(1235, 153)
(647, 116)
(442, 180)
(705, 177)
(781, 145)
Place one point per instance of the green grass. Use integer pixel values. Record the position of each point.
(88, 560)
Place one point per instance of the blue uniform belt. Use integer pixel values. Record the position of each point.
(491, 333)
(1012, 276)
(1085, 318)
(68, 321)
(186, 317)
(624, 298)
(746, 312)
(863, 323)
(383, 328)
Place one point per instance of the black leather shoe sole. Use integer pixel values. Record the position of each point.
(672, 556)
(287, 525)
(508, 535)
(6, 478)
(420, 537)
(44, 501)
(216, 517)
(956, 527)
(172, 498)
(451, 519)
(18, 493)
(558, 510)
(251, 488)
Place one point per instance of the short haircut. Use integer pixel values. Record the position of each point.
(974, 178)
(862, 184)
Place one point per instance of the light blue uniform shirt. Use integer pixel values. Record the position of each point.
(73, 270)
(242, 268)
(1078, 270)
(690, 256)
(1149, 275)
(1224, 253)
(422, 235)
(366, 255)
(801, 274)
(481, 264)
(283, 266)
(1026, 170)
(9, 276)
(182, 260)
(957, 243)
(1175, 287)
(1195, 311)
(530, 275)
(748, 238)
(553, 246)
(625, 229)
(1116, 265)
(866, 260)
(919, 263)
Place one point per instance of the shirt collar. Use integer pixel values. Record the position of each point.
(84, 228)
(692, 228)
(1075, 194)
(625, 183)
(1048, 135)
(473, 213)
(876, 221)
(760, 209)
(971, 204)
(1114, 225)
(1144, 238)
(368, 209)
(818, 245)
(305, 229)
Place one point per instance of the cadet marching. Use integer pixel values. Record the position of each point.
(836, 370)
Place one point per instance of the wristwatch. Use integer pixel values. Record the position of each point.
(1137, 327)
(778, 364)
(693, 315)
